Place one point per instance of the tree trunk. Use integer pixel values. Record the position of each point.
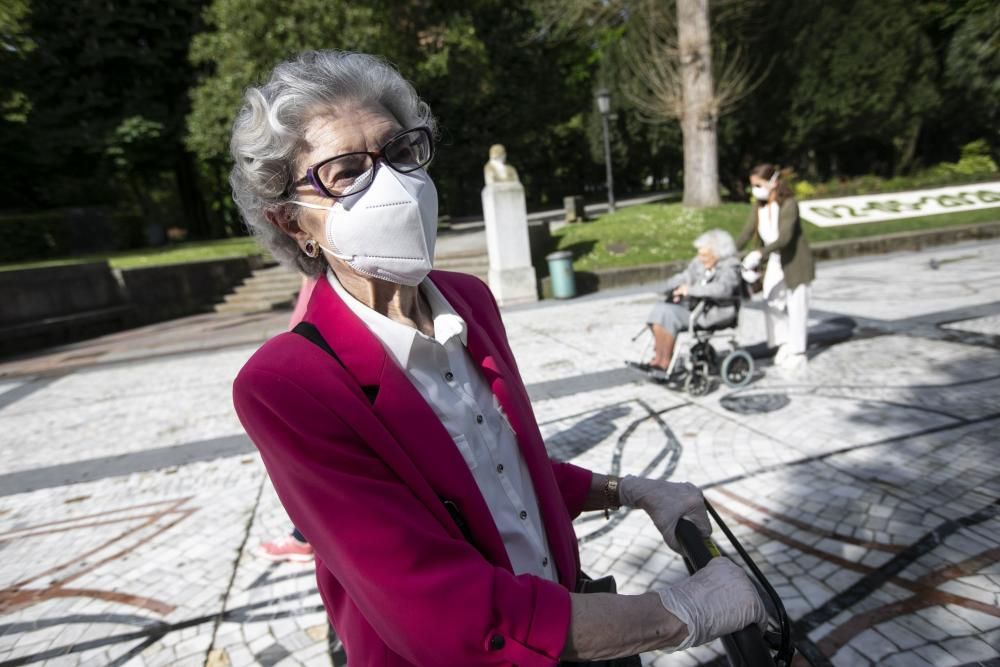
(699, 117)
(192, 204)
(906, 148)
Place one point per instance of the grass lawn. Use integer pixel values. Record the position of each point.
(177, 253)
(655, 233)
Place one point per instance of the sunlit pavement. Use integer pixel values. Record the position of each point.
(867, 488)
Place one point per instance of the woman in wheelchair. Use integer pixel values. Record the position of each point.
(713, 274)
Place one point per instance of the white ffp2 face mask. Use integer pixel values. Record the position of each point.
(387, 231)
(763, 192)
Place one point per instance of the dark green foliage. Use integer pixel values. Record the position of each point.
(62, 232)
(98, 73)
(127, 104)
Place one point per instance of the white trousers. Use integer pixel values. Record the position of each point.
(787, 317)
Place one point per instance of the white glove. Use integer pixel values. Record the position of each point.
(752, 260)
(666, 503)
(750, 276)
(717, 600)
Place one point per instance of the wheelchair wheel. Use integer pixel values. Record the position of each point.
(698, 381)
(737, 369)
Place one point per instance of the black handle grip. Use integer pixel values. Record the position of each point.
(746, 647)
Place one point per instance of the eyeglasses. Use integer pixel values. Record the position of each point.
(351, 173)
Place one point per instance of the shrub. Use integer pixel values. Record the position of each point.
(975, 164)
(62, 232)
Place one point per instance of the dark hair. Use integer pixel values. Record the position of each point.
(766, 171)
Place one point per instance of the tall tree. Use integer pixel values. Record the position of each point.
(481, 65)
(864, 83)
(96, 64)
(675, 71)
(15, 47)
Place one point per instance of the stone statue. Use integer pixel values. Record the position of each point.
(497, 170)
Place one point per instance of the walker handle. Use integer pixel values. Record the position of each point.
(746, 647)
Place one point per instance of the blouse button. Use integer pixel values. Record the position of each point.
(523, 514)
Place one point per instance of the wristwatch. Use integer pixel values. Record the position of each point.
(611, 499)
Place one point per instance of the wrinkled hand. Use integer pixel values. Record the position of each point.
(717, 600)
(666, 503)
(752, 260)
(681, 292)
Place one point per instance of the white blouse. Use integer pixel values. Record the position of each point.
(441, 369)
(767, 228)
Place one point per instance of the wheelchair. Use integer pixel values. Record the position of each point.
(696, 361)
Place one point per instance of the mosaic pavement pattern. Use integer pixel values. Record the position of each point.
(868, 489)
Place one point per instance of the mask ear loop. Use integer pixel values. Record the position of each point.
(346, 258)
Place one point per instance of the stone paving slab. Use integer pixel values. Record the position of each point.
(989, 325)
(867, 489)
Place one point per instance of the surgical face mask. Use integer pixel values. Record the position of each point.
(763, 192)
(387, 231)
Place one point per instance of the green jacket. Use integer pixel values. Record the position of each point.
(796, 257)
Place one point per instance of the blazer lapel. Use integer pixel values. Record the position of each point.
(404, 413)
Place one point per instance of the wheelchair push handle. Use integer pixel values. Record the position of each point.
(746, 647)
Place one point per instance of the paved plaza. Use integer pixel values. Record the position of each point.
(868, 488)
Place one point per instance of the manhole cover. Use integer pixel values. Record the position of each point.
(755, 404)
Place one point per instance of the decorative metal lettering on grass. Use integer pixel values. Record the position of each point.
(895, 206)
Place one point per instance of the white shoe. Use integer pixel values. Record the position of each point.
(793, 367)
(781, 354)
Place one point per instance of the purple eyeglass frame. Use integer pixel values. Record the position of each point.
(318, 186)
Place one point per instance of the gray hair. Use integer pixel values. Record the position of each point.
(718, 241)
(268, 131)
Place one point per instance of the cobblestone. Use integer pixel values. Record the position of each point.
(866, 490)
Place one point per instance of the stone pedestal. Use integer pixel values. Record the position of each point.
(511, 275)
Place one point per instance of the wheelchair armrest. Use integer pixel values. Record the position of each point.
(716, 300)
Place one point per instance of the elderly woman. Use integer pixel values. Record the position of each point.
(393, 422)
(714, 273)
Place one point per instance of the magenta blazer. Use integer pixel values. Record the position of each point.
(362, 465)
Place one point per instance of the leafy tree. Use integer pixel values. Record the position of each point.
(865, 83)
(481, 65)
(972, 66)
(15, 46)
(95, 64)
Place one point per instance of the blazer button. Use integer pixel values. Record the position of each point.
(479, 419)
(496, 643)
(449, 376)
(523, 514)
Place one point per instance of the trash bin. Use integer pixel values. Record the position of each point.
(561, 272)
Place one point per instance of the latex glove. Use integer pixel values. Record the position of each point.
(750, 276)
(717, 600)
(666, 503)
(752, 260)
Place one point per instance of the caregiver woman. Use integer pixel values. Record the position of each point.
(406, 451)
(776, 230)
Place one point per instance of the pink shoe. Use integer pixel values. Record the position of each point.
(286, 548)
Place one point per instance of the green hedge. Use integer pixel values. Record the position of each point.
(974, 165)
(63, 232)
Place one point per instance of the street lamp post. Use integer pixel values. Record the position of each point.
(604, 106)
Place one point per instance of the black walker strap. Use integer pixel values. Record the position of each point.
(309, 331)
